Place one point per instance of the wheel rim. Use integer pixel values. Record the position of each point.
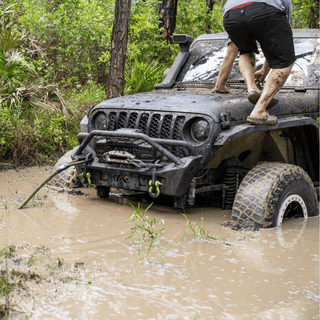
(292, 204)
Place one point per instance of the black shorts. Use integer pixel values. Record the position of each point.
(265, 24)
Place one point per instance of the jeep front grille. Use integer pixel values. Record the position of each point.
(166, 126)
(143, 122)
(154, 124)
(112, 121)
(177, 129)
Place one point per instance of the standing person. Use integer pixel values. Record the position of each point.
(268, 22)
(225, 70)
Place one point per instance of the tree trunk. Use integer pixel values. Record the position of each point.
(314, 16)
(167, 10)
(209, 4)
(115, 77)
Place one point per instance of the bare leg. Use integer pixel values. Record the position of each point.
(247, 67)
(225, 69)
(263, 72)
(274, 83)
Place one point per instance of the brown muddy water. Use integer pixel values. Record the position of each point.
(83, 266)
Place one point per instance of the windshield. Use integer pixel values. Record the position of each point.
(206, 56)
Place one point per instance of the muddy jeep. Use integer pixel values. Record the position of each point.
(182, 141)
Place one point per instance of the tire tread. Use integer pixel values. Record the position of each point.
(261, 189)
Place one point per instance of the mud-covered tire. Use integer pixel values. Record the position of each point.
(270, 190)
(67, 178)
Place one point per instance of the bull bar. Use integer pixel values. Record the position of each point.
(85, 138)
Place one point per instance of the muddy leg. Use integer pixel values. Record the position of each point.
(274, 83)
(225, 69)
(247, 68)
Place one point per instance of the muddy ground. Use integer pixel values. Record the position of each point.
(68, 257)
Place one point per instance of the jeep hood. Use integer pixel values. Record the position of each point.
(235, 103)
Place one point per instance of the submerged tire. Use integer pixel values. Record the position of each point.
(273, 191)
(68, 178)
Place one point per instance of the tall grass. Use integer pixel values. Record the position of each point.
(197, 230)
(144, 229)
(147, 230)
(5, 284)
(141, 76)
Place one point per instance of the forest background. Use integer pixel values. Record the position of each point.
(54, 58)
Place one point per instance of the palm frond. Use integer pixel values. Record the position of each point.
(10, 39)
(18, 58)
(142, 76)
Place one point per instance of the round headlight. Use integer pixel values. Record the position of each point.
(101, 122)
(200, 130)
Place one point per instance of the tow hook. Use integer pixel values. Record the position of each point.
(154, 184)
(86, 176)
(157, 184)
(85, 179)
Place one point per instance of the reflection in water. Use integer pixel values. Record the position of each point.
(63, 203)
(289, 238)
(270, 274)
(267, 252)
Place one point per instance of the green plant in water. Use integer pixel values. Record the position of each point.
(144, 228)
(37, 202)
(68, 279)
(5, 204)
(5, 285)
(197, 230)
(32, 258)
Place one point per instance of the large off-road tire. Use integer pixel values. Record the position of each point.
(273, 191)
(67, 178)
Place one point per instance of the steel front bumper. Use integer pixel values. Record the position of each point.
(175, 174)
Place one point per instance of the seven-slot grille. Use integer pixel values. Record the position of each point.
(154, 124)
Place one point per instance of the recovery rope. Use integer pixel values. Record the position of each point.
(60, 169)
